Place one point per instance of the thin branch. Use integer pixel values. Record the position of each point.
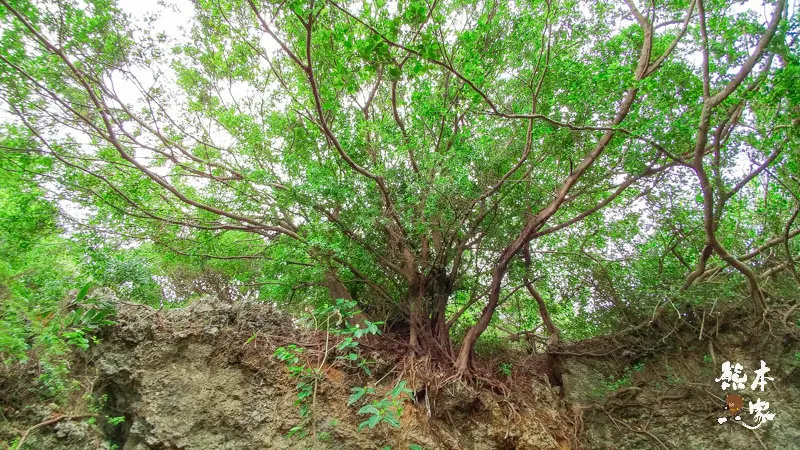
(30, 430)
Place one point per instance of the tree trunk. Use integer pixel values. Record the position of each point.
(337, 290)
(439, 325)
(429, 334)
(417, 321)
(464, 363)
(552, 329)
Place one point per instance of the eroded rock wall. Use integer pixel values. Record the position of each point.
(664, 394)
(194, 379)
(204, 377)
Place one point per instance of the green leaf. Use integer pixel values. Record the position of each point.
(348, 342)
(374, 420)
(399, 388)
(358, 392)
(82, 293)
(391, 419)
(369, 409)
(394, 73)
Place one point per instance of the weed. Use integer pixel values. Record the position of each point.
(334, 319)
(116, 420)
(613, 384)
(388, 409)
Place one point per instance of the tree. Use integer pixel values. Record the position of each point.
(413, 155)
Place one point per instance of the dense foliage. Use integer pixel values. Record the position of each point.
(457, 168)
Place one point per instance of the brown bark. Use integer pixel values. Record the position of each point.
(439, 325)
(429, 333)
(337, 290)
(712, 210)
(535, 222)
(443, 284)
(552, 359)
(701, 268)
(552, 329)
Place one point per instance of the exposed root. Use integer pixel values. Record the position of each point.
(640, 431)
(513, 417)
(577, 427)
(594, 354)
(758, 438)
(791, 329)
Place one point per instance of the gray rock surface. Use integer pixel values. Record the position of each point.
(188, 379)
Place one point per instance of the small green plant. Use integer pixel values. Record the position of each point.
(307, 377)
(672, 377)
(613, 384)
(324, 436)
(385, 410)
(49, 331)
(54, 376)
(505, 369)
(87, 317)
(359, 392)
(116, 420)
(335, 320)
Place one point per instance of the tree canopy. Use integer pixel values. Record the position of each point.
(455, 167)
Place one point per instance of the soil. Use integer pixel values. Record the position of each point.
(204, 377)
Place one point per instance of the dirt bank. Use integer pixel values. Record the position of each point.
(205, 377)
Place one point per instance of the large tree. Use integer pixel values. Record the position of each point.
(424, 158)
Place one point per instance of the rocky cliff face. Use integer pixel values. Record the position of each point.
(664, 394)
(204, 377)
